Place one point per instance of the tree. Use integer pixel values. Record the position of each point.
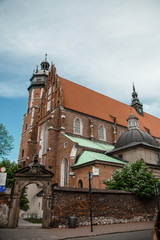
(134, 177)
(6, 145)
(6, 141)
(11, 168)
(24, 202)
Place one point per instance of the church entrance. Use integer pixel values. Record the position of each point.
(32, 175)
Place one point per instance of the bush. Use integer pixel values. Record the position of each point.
(134, 177)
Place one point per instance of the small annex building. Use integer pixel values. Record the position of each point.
(137, 144)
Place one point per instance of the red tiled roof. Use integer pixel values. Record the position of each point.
(84, 100)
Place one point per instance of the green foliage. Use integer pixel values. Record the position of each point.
(24, 202)
(11, 168)
(6, 141)
(134, 177)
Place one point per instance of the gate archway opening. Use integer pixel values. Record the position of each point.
(34, 214)
(33, 173)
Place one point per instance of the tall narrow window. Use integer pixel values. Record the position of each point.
(45, 138)
(157, 159)
(102, 133)
(77, 126)
(49, 99)
(64, 173)
(22, 153)
(26, 126)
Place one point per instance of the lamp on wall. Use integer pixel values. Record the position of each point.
(89, 175)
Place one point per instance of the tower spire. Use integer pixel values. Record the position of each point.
(136, 103)
(40, 77)
(45, 64)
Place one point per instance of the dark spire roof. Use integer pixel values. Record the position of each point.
(45, 64)
(40, 77)
(136, 103)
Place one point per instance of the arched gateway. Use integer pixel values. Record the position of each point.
(32, 173)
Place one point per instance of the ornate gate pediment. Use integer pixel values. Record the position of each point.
(34, 169)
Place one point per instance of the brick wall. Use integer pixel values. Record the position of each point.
(105, 171)
(108, 207)
(4, 209)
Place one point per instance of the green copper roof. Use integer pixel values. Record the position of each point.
(90, 144)
(89, 156)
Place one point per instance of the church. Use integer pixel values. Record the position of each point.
(75, 130)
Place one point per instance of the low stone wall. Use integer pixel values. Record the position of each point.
(4, 209)
(107, 206)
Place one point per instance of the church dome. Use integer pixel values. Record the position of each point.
(135, 136)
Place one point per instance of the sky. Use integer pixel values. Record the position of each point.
(105, 45)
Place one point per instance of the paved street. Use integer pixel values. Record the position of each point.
(41, 234)
(26, 234)
(140, 235)
(128, 231)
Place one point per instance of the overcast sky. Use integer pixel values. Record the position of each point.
(105, 45)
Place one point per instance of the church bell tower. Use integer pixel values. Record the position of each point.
(29, 132)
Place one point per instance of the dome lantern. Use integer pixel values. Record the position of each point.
(132, 122)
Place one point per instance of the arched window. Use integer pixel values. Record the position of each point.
(78, 126)
(102, 133)
(45, 138)
(64, 172)
(22, 153)
(80, 184)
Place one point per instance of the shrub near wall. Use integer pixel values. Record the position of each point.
(108, 207)
(4, 209)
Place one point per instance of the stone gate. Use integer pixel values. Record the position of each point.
(32, 173)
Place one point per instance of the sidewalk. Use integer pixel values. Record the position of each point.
(68, 233)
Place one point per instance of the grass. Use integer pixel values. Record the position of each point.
(33, 220)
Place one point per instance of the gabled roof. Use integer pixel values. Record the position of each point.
(89, 156)
(84, 100)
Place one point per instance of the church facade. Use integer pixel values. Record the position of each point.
(75, 130)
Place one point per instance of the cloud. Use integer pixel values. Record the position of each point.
(104, 45)
(13, 89)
